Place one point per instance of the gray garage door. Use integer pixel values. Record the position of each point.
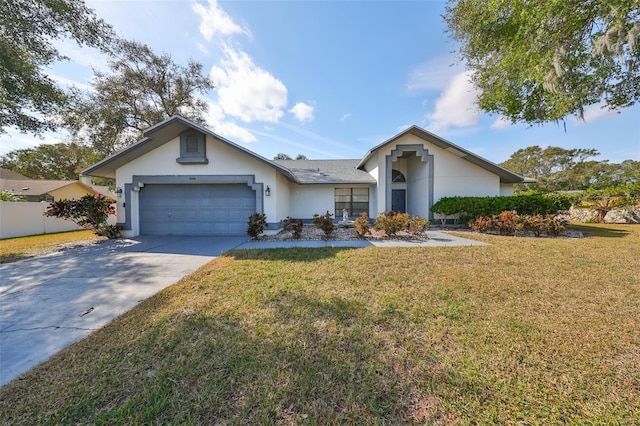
(220, 209)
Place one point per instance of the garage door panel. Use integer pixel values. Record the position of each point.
(196, 209)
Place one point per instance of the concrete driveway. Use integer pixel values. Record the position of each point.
(49, 302)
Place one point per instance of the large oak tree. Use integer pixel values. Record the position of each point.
(139, 90)
(541, 61)
(28, 28)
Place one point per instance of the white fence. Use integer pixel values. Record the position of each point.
(18, 219)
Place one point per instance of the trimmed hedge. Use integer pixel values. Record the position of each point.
(471, 208)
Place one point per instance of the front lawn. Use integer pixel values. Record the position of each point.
(12, 249)
(524, 331)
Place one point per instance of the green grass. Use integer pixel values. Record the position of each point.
(524, 331)
(12, 249)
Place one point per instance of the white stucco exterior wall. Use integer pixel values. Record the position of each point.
(417, 187)
(452, 175)
(456, 176)
(307, 200)
(506, 189)
(223, 161)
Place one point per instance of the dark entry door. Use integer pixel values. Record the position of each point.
(399, 200)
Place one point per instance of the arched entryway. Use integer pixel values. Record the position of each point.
(409, 180)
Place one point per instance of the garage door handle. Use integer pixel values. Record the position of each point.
(169, 215)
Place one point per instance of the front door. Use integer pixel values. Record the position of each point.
(399, 200)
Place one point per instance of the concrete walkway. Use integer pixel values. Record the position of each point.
(436, 239)
(51, 301)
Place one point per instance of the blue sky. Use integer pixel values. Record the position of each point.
(331, 79)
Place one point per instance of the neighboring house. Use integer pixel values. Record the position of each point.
(42, 190)
(182, 179)
(10, 174)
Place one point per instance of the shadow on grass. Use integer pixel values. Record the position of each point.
(596, 230)
(12, 257)
(307, 359)
(288, 254)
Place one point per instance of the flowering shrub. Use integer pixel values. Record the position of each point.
(510, 223)
(89, 211)
(481, 224)
(537, 224)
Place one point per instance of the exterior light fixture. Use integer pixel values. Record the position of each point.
(267, 191)
(119, 192)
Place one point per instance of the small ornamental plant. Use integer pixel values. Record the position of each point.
(391, 222)
(294, 225)
(256, 225)
(325, 222)
(361, 225)
(417, 225)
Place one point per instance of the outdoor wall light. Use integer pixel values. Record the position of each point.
(267, 191)
(119, 192)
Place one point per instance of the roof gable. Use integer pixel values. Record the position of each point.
(505, 175)
(157, 136)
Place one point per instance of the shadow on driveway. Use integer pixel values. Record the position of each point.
(49, 302)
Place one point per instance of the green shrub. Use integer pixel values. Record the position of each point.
(256, 224)
(294, 225)
(325, 222)
(10, 196)
(361, 225)
(471, 208)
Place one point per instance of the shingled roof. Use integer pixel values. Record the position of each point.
(36, 187)
(326, 172)
(10, 174)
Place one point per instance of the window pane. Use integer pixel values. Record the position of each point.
(339, 207)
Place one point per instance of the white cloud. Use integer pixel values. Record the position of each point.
(225, 128)
(501, 123)
(344, 117)
(456, 105)
(82, 55)
(214, 21)
(247, 91)
(594, 113)
(302, 112)
(69, 82)
(432, 75)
